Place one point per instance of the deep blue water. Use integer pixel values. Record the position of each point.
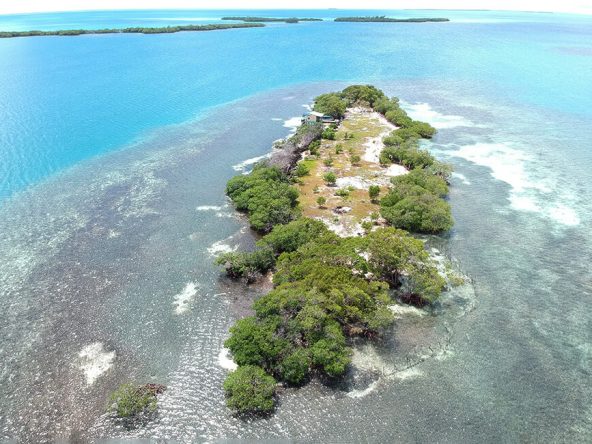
(114, 152)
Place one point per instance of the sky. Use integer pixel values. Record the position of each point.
(21, 6)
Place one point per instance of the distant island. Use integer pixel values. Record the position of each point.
(272, 19)
(158, 30)
(382, 18)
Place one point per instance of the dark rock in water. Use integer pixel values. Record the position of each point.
(288, 153)
(155, 389)
(413, 299)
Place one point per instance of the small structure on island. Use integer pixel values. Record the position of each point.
(316, 117)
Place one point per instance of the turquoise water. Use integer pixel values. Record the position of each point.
(65, 100)
(114, 152)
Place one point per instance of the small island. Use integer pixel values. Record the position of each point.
(272, 19)
(384, 19)
(340, 256)
(159, 30)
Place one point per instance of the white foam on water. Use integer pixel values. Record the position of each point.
(293, 123)
(225, 360)
(221, 246)
(276, 119)
(400, 310)
(182, 300)
(307, 106)
(425, 113)
(409, 373)
(507, 164)
(246, 163)
(564, 215)
(462, 178)
(209, 208)
(361, 393)
(94, 361)
(528, 194)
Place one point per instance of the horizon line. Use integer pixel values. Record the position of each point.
(539, 11)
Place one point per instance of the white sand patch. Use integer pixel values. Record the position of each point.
(396, 170)
(225, 360)
(182, 300)
(221, 246)
(374, 146)
(241, 167)
(94, 361)
(409, 373)
(356, 182)
(342, 228)
(425, 113)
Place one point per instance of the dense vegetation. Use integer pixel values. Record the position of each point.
(413, 203)
(382, 18)
(250, 390)
(137, 30)
(131, 400)
(272, 19)
(327, 288)
(416, 203)
(266, 194)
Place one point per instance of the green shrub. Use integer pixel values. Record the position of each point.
(131, 400)
(254, 342)
(434, 184)
(330, 178)
(250, 390)
(266, 195)
(355, 159)
(321, 201)
(328, 133)
(365, 95)
(314, 147)
(331, 104)
(328, 162)
(330, 353)
(373, 192)
(302, 169)
(295, 367)
(408, 155)
(338, 148)
(290, 237)
(247, 265)
(342, 192)
(421, 212)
